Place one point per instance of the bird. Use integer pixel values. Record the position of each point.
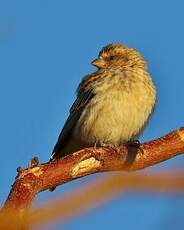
(113, 104)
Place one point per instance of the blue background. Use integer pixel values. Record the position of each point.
(45, 48)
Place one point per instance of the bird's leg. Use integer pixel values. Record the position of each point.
(135, 144)
(95, 145)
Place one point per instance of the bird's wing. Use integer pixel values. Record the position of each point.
(85, 94)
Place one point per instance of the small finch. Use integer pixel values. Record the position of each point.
(113, 104)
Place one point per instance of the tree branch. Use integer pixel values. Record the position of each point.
(40, 177)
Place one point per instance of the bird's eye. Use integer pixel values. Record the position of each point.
(111, 57)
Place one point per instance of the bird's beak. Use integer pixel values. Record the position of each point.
(99, 63)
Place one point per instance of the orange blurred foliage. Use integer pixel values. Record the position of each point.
(95, 193)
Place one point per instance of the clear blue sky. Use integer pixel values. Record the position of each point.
(45, 48)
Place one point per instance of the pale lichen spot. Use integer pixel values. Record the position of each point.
(27, 185)
(85, 166)
(181, 134)
(140, 155)
(36, 171)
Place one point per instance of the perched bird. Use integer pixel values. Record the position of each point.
(113, 104)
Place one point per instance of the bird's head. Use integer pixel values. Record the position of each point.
(114, 55)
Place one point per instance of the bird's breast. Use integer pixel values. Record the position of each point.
(117, 112)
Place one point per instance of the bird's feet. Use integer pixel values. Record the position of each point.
(108, 145)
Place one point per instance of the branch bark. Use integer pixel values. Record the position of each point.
(40, 177)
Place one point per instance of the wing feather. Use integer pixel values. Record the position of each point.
(85, 94)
